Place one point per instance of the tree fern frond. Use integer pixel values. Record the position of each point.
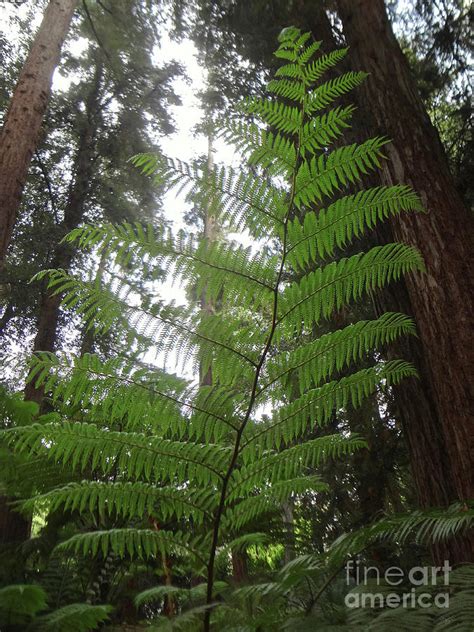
(128, 500)
(422, 526)
(321, 176)
(291, 462)
(20, 602)
(187, 621)
(285, 118)
(269, 499)
(320, 293)
(75, 617)
(97, 384)
(191, 595)
(190, 258)
(248, 201)
(314, 70)
(347, 218)
(292, 90)
(322, 130)
(316, 407)
(135, 543)
(83, 446)
(291, 70)
(166, 327)
(319, 359)
(305, 55)
(262, 148)
(325, 94)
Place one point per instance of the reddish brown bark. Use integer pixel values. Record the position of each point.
(240, 572)
(19, 135)
(438, 425)
(416, 407)
(14, 528)
(443, 298)
(49, 311)
(389, 104)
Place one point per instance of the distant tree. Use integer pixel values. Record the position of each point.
(115, 107)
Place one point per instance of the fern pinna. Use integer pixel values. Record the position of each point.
(206, 455)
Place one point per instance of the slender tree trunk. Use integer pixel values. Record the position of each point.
(209, 235)
(442, 299)
(21, 129)
(49, 312)
(88, 334)
(289, 523)
(8, 314)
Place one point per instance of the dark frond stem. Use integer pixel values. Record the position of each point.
(253, 395)
(188, 330)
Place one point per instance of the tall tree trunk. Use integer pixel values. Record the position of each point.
(49, 311)
(388, 103)
(442, 299)
(19, 135)
(209, 235)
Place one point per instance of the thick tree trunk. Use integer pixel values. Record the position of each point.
(415, 398)
(443, 298)
(14, 528)
(22, 126)
(437, 417)
(388, 104)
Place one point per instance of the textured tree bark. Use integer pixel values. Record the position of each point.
(389, 104)
(439, 427)
(443, 298)
(209, 234)
(19, 135)
(416, 407)
(14, 528)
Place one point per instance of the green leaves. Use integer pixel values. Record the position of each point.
(134, 543)
(328, 92)
(316, 406)
(321, 131)
(318, 234)
(21, 602)
(322, 176)
(127, 500)
(318, 294)
(200, 455)
(75, 617)
(318, 360)
(272, 465)
(82, 446)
